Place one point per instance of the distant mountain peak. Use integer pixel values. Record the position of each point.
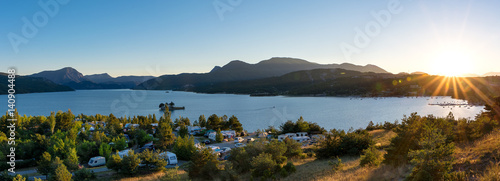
(61, 76)
(281, 60)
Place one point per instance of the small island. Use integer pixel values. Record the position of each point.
(171, 106)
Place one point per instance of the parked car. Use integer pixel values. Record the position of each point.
(97, 161)
(225, 149)
(238, 139)
(207, 142)
(213, 147)
(250, 140)
(238, 145)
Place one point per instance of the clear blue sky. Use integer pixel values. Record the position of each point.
(125, 37)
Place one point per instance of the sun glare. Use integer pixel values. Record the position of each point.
(453, 63)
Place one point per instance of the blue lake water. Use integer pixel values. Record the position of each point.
(253, 112)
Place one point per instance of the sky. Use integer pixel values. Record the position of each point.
(156, 37)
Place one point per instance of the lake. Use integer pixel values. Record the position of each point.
(253, 112)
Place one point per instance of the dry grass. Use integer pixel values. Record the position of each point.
(475, 157)
(382, 137)
(311, 169)
(161, 176)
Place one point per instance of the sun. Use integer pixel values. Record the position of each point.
(453, 63)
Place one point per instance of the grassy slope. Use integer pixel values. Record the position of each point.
(311, 169)
(476, 157)
(480, 158)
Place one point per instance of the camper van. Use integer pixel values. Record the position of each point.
(123, 153)
(97, 161)
(170, 157)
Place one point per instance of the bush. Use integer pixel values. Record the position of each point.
(129, 163)
(84, 175)
(263, 165)
(114, 162)
(184, 148)
(435, 156)
(337, 165)
(293, 148)
(61, 174)
(283, 172)
(371, 157)
(290, 168)
(204, 165)
(339, 143)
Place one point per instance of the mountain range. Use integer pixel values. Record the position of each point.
(71, 77)
(27, 84)
(238, 71)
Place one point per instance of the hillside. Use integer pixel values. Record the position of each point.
(239, 70)
(127, 81)
(73, 78)
(26, 84)
(61, 76)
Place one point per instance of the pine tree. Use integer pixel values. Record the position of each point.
(61, 174)
(44, 164)
(434, 159)
(71, 160)
(219, 137)
(165, 134)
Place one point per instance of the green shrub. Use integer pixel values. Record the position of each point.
(283, 172)
(290, 168)
(339, 143)
(435, 156)
(371, 157)
(263, 165)
(337, 165)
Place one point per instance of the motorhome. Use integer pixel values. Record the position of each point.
(170, 157)
(97, 161)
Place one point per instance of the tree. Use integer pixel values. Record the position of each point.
(152, 160)
(293, 148)
(87, 150)
(234, 124)
(165, 134)
(277, 150)
(130, 163)
(204, 165)
(114, 162)
(52, 122)
(202, 121)
(44, 164)
(214, 122)
(184, 148)
(183, 131)
(301, 125)
(19, 178)
(61, 174)
(71, 159)
(182, 121)
(371, 157)
(64, 120)
(218, 136)
(105, 150)
(435, 158)
(120, 143)
(263, 165)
